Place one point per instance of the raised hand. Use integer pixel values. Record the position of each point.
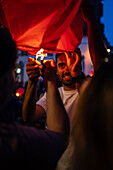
(90, 9)
(50, 70)
(73, 63)
(33, 69)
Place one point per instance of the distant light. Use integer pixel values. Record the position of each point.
(20, 91)
(91, 73)
(108, 50)
(106, 59)
(17, 94)
(18, 70)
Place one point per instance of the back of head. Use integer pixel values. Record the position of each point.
(93, 122)
(8, 56)
(8, 52)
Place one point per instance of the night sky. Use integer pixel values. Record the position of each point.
(107, 20)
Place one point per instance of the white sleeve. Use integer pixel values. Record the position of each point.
(42, 102)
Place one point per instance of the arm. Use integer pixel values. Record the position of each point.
(56, 114)
(57, 119)
(90, 11)
(30, 110)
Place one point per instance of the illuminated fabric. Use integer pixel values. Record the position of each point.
(55, 25)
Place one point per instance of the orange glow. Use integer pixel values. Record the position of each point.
(20, 91)
(17, 94)
(91, 73)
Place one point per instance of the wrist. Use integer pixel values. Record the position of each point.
(34, 81)
(79, 77)
(93, 20)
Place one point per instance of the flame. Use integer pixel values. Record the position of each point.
(40, 53)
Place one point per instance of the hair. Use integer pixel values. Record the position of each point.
(92, 132)
(57, 55)
(8, 51)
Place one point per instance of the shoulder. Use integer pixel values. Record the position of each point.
(29, 136)
(29, 141)
(60, 89)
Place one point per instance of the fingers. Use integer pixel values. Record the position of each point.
(30, 59)
(33, 61)
(33, 75)
(53, 64)
(73, 63)
(67, 58)
(77, 58)
(50, 69)
(71, 58)
(49, 63)
(33, 68)
(35, 72)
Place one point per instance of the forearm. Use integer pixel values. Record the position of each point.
(57, 119)
(96, 44)
(29, 103)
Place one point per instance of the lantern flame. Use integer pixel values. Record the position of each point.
(40, 53)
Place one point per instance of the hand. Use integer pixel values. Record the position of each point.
(90, 9)
(73, 63)
(33, 69)
(50, 70)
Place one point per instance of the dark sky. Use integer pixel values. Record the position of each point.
(107, 19)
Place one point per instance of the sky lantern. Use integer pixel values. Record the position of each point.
(53, 25)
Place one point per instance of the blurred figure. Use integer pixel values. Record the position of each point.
(22, 146)
(8, 56)
(92, 133)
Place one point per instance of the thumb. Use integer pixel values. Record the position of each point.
(53, 64)
(30, 59)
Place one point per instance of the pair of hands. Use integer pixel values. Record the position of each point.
(34, 69)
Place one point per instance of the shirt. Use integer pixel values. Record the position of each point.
(69, 99)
